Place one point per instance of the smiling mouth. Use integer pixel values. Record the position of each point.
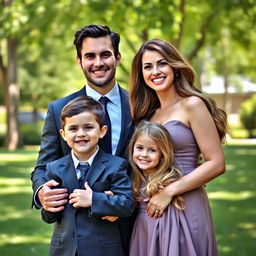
(158, 80)
(143, 161)
(81, 141)
(99, 72)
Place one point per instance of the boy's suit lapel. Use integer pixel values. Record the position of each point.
(68, 173)
(96, 168)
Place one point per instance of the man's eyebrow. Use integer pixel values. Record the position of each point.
(89, 53)
(107, 51)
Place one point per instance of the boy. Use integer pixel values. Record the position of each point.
(80, 229)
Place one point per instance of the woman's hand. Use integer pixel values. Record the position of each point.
(158, 203)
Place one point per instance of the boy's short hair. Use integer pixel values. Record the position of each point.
(83, 104)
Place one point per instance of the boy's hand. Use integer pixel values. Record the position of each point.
(109, 218)
(81, 198)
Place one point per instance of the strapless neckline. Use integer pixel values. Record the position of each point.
(176, 121)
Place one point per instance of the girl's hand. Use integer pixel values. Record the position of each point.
(157, 204)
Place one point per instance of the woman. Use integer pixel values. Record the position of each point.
(162, 90)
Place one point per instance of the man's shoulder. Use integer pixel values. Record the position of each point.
(64, 100)
(123, 91)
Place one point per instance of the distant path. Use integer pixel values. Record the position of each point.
(241, 141)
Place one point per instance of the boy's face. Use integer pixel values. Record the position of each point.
(82, 133)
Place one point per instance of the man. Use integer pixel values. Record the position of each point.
(98, 56)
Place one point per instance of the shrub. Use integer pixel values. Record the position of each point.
(31, 133)
(248, 115)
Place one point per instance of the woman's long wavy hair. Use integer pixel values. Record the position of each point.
(144, 100)
(165, 171)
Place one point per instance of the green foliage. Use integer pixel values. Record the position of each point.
(47, 66)
(248, 114)
(31, 133)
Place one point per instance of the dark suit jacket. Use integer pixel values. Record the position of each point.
(54, 147)
(83, 230)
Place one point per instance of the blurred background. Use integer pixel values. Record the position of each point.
(38, 65)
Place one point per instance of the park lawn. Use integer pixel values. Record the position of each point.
(232, 197)
(22, 233)
(233, 201)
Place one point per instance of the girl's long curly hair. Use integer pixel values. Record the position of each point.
(165, 171)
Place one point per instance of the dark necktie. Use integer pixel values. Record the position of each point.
(84, 170)
(106, 142)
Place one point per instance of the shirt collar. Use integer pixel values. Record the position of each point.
(113, 94)
(89, 161)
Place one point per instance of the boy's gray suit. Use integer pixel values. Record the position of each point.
(83, 229)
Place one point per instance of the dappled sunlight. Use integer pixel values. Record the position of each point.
(242, 152)
(250, 227)
(15, 186)
(14, 181)
(12, 214)
(230, 167)
(7, 157)
(225, 248)
(232, 196)
(243, 179)
(9, 238)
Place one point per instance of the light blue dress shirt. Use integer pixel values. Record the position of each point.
(114, 111)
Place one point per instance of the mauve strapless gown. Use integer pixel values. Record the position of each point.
(178, 233)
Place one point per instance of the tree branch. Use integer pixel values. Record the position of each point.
(203, 31)
(176, 42)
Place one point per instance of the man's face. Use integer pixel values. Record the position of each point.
(99, 63)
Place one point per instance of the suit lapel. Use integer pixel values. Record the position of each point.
(68, 173)
(96, 168)
(125, 121)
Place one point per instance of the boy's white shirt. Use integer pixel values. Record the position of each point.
(76, 161)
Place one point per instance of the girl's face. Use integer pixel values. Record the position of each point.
(146, 154)
(157, 73)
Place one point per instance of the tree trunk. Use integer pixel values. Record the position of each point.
(177, 41)
(35, 111)
(12, 140)
(227, 104)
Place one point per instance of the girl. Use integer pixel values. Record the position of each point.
(151, 158)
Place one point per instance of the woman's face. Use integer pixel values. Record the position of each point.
(157, 73)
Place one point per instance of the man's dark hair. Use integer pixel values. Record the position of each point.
(83, 104)
(96, 31)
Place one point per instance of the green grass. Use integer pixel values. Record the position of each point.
(232, 197)
(22, 232)
(233, 201)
